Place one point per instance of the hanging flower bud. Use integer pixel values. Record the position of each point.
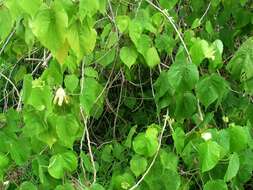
(60, 97)
(206, 136)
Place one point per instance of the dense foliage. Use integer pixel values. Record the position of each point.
(126, 94)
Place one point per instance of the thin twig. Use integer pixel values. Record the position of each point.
(86, 131)
(170, 19)
(15, 88)
(208, 7)
(6, 42)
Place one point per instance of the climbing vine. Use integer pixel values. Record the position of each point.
(126, 94)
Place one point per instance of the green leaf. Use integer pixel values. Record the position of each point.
(183, 76)
(61, 163)
(215, 184)
(209, 154)
(168, 4)
(20, 153)
(30, 8)
(97, 186)
(88, 8)
(169, 160)
(6, 22)
(138, 165)
(146, 144)
(82, 39)
(67, 129)
(178, 136)
(90, 72)
(71, 82)
(49, 26)
(130, 135)
(91, 96)
(152, 57)
(241, 65)
(211, 88)
(4, 161)
(122, 22)
(128, 56)
(201, 50)
(66, 186)
(238, 138)
(186, 105)
(233, 167)
(27, 186)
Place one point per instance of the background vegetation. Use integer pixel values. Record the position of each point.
(126, 94)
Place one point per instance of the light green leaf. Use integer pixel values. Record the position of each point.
(152, 57)
(6, 22)
(178, 136)
(91, 72)
(233, 167)
(49, 26)
(215, 184)
(67, 128)
(128, 56)
(138, 165)
(146, 144)
(71, 82)
(30, 7)
(209, 154)
(88, 8)
(122, 22)
(82, 39)
(211, 88)
(61, 163)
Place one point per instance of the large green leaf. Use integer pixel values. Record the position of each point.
(211, 88)
(178, 136)
(186, 105)
(6, 22)
(67, 129)
(128, 56)
(49, 26)
(61, 163)
(20, 153)
(238, 138)
(183, 76)
(82, 38)
(30, 8)
(209, 154)
(233, 167)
